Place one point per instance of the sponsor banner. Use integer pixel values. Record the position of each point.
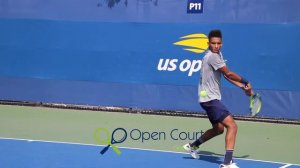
(167, 54)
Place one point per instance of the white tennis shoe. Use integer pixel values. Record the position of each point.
(231, 165)
(191, 150)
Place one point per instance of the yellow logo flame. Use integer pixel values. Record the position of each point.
(197, 43)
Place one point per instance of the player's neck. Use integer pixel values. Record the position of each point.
(217, 52)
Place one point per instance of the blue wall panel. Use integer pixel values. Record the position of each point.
(88, 52)
(165, 11)
(277, 104)
(130, 52)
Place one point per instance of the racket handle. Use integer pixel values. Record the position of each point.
(104, 149)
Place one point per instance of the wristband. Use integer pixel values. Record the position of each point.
(244, 81)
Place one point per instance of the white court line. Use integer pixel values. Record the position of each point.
(73, 143)
(285, 166)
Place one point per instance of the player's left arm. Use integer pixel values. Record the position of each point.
(237, 80)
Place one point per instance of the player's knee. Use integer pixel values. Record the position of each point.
(219, 130)
(231, 125)
(234, 126)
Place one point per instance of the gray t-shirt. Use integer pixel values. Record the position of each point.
(210, 81)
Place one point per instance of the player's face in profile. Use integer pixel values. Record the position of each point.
(215, 44)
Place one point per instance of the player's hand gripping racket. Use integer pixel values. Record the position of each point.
(255, 98)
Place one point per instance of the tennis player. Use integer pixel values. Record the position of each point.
(213, 67)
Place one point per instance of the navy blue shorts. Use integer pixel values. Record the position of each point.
(215, 111)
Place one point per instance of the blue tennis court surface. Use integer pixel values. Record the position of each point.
(23, 153)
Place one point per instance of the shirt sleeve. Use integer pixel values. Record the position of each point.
(216, 61)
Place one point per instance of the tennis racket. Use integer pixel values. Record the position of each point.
(255, 99)
(255, 104)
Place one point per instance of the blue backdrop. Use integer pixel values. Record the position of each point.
(112, 53)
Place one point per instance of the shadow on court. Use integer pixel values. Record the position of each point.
(208, 153)
(212, 157)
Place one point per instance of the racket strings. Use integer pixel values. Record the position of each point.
(255, 104)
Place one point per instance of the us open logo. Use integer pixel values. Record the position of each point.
(196, 43)
(195, 6)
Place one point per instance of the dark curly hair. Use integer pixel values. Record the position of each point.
(215, 33)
